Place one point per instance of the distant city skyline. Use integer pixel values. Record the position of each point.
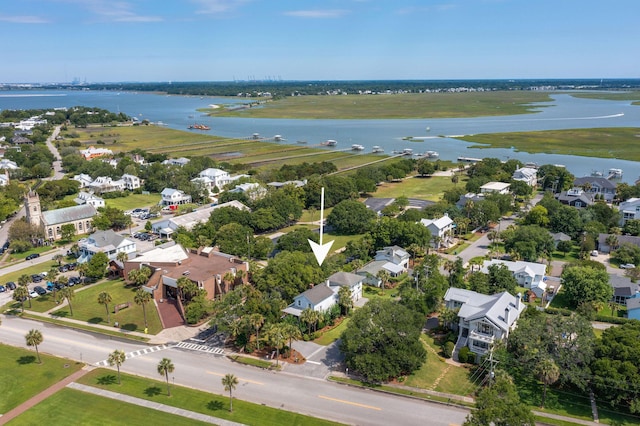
(225, 40)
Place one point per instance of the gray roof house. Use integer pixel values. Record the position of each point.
(576, 197)
(166, 227)
(483, 319)
(318, 298)
(603, 245)
(347, 279)
(597, 186)
(107, 242)
(623, 288)
(393, 259)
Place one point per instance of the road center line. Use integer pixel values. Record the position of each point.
(350, 403)
(239, 379)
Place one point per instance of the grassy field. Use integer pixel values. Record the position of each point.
(73, 407)
(332, 335)
(609, 96)
(86, 308)
(623, 142)
(198, 401)
(428, 188)
(435, 374)
(425, 105)
(21, 377)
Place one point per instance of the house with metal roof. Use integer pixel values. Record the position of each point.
(174, 197)
(529, 275)
(482, 319)
(89, 198)
(392, 259)
(528, 175)
(107, 242)
(441, 230)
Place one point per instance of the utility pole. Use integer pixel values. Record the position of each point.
(492, 364)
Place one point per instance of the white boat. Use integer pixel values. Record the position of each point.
(432, 154)
(330, 142)
(615, 173)
(407, 151)
(357, 147)
(376, 149)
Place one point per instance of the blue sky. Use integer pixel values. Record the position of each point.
(222, 40)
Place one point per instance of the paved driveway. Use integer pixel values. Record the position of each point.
(320, 360)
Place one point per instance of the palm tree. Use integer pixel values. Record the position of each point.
(229, 381)
(165, 366)
(142, 297)
(122, 257)
(104, 298)
(58, 258)
(240, 274)
(186, 288)
(69, 294)
(140, 276)
(308, 317)
(344, 299)
(228, 278)
(256, 320)
(82, 269)
(117, 358)
(291, 332)
(548, 372)
(612, 241)
(20, 294)
(34, 338)
(383, 276)
(275, 336)
(24, 280)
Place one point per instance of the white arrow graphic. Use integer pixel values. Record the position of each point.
(321, 250)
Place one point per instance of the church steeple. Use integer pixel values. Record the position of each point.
(32, 208)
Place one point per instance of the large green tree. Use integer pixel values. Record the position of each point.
(585, 284)
(382, 341)
(289, 273)
(97, 265)
(350, 217)
(499, 405)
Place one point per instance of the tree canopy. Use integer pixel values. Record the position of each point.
(382, 341)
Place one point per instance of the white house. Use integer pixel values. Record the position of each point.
(4, 179)
(107, 242)
(89, 198)
(495, 188)
(216, 177)
(253, 190)
(131, 182)
(483, 319)
(529, 275)
(347, 279)
(393, 259)
(85, 180)
(630, 209)
(6, 164)
(173, 197)
(441, 230)
(318, 298)
(528, 175)
(176, 161)
(106, 184)
(93, 152)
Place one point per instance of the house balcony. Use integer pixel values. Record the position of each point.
(481, 337)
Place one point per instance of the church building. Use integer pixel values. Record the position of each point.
(53, 220)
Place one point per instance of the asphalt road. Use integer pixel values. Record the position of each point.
(199, 370)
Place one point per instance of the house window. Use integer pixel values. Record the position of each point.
(481, 345)
(80, 226)
(485, 328)
(298, 302)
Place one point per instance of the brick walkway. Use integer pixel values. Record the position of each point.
(43, 395)
(169, 313)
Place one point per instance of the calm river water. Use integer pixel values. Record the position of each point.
(564, 112)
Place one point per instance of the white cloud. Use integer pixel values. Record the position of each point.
(23, 19)
(211, 7)
(321, 14)
(114, 11)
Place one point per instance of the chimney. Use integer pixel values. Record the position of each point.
(518, 301)
(506, 315)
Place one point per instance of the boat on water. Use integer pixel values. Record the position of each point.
(432, 154)
(302, 142)
(615, 174)
(357, 147)
(406, 151)
(329, 142)
(376, 149)
(199, 127)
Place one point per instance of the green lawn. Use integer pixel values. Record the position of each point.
(86, 308)
(427, 188)
(74, 407)
(21, 377)
(198, 401)
(332, 335)
(435, 374)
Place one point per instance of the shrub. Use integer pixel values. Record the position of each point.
(448, 349)
(466, 356)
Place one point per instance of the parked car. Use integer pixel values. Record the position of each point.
(11, 285)
(63, 268)
(40, 290)
(50, 286)
(33, 294)
(36, 278)
(32, 256)
(2, 289)
(594, 252)
(628, 266)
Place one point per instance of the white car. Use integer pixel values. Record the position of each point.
(628, 266)
(33, 294)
